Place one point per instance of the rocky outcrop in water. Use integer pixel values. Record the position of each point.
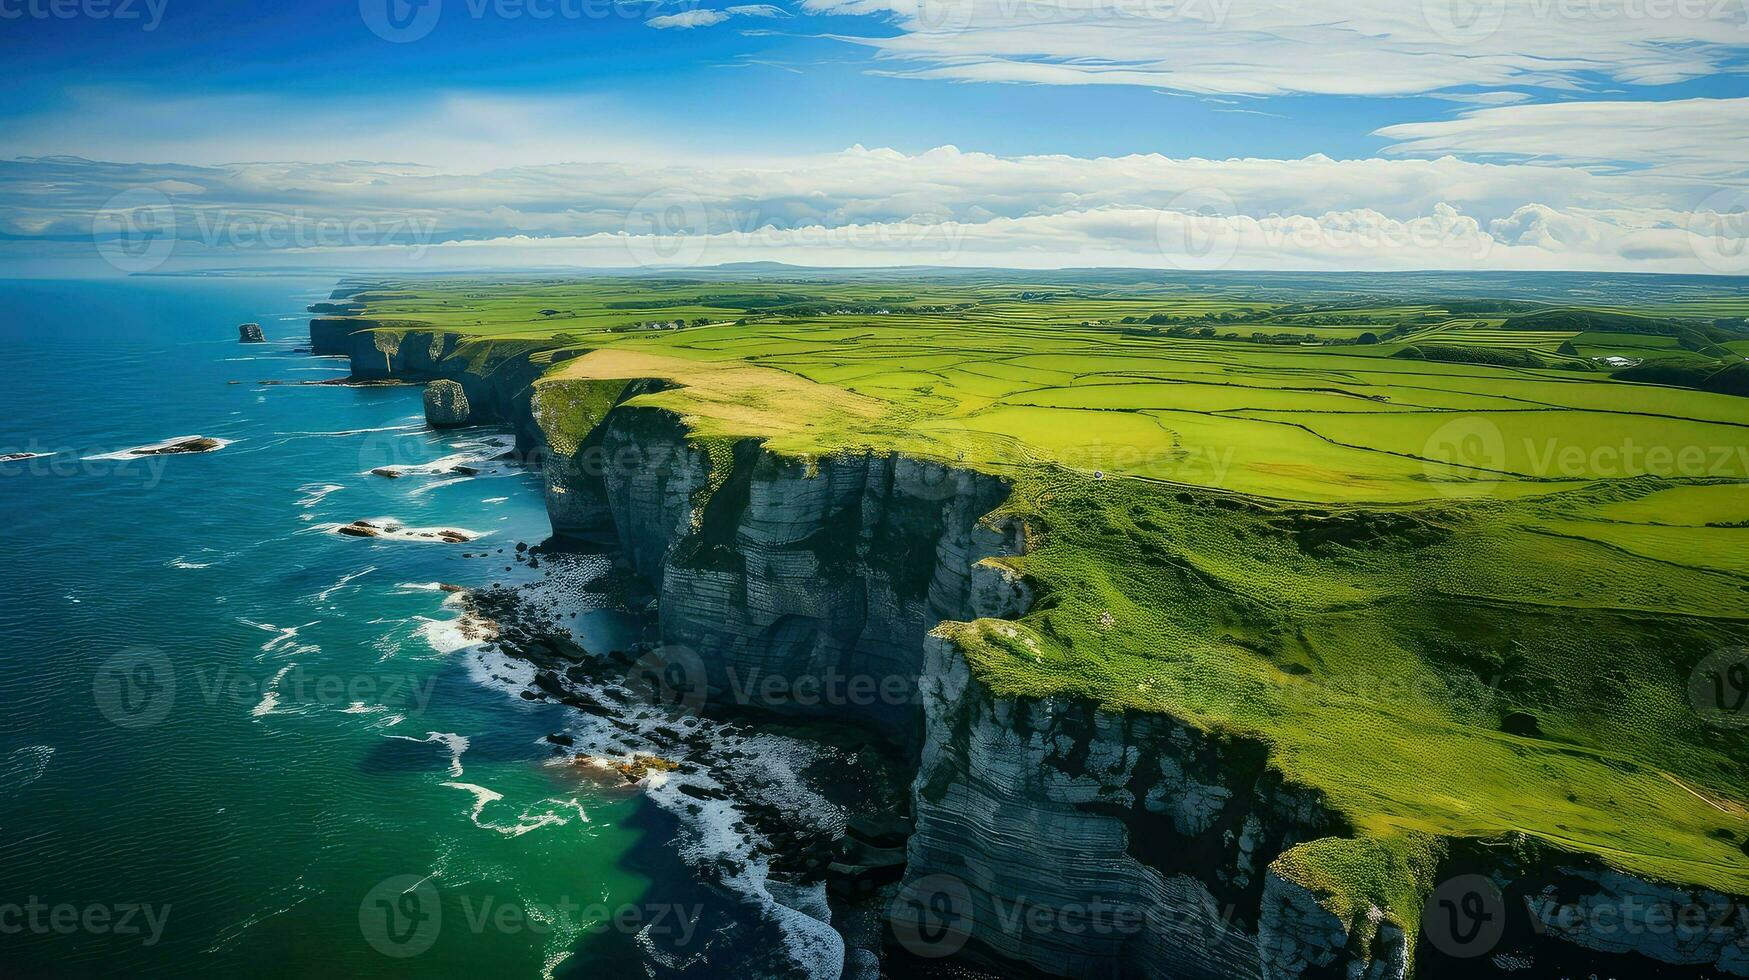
(250, 333)
(178, 447)
(446, 405)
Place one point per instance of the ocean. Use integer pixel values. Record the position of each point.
(234, 741)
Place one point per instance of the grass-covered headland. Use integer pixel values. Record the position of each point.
(1456, 552)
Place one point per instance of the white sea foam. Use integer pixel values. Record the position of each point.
(270, 696)
(456, 744)
(360, 708)
(345, 580)
(478, 454)
(315, 493)
(557, 812)
(403, 427)
(494, 668)
(24, 766)
(405, 587)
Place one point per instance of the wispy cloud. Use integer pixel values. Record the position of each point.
(1696, 138)
(1274, 47)
(688, 19)
(704, 17)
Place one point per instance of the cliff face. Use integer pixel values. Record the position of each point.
(1067, 840)
(804, 589)
(1094, 843)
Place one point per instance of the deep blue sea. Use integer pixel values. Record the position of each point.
(232, 741)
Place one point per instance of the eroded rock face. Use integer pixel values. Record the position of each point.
(1609, 912)
(805, 589)
(332, 335)
(446, 405)
(250, 333)
(1094, 843)
(1299, 937)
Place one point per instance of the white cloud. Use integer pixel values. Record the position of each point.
(688, 19)
(710, 18)
(1690, 137)
(1272, 47)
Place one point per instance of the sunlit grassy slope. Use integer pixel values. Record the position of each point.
(1460, 600)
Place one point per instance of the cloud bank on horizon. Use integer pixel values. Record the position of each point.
(1373, 134)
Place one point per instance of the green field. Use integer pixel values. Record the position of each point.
(1368, 562)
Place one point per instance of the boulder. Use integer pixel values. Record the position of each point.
(193, 444)
(250, 333)
(446, 405)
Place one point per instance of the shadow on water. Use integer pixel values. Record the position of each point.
(682, 926)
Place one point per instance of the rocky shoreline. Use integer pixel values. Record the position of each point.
(1060, 838)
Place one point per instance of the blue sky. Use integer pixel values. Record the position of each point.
(1630, 111)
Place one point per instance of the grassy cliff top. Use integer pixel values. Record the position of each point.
(1470, 595)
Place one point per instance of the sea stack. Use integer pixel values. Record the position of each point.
(446, 405)
(250, 333)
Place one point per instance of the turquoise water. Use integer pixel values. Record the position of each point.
(219, 716)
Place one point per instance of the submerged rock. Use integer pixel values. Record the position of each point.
(250, 333)
(446, 405)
